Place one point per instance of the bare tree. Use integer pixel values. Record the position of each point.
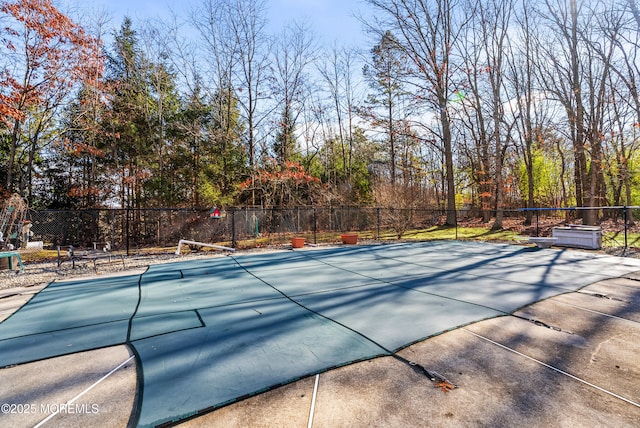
(293, 51)
(472, 115)
(219, 65)
(522, 78)
(576, 76)
(531, 110)
(248, 24)
(483, 48)
(427, 32)
(336, 69)
(496, 16)
(236, 53)
(622, 142)
(633, 6)
(622, 27)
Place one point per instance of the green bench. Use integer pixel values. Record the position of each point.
(10, 255)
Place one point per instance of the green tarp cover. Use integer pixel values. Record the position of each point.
(212, 331)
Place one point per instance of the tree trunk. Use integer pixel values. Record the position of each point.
(13, 148)
(448, 159)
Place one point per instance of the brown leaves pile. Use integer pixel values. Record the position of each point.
(445, 386)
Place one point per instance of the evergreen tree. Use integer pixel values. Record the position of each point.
(285, 141)
(78, 157)
(384, 109)
(226, 157)
(126, 119)
(191, 128)
(162, 110)
(209, 159)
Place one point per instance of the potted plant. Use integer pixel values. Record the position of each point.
(297, 242)
(349, 238)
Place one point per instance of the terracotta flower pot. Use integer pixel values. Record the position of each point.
(349, 238)
(297, 242)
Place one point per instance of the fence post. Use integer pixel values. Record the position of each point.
(378, 225)
(624, 218)
(455, 215)
(113, 228)
(315, 226)
(127, 213)
(233, 228)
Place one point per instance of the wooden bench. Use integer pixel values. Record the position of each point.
(10, 255)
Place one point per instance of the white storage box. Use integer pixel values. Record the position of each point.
(578, 236)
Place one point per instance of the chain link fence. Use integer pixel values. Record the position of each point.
(131, 231)
(618, 225)
(145, 228)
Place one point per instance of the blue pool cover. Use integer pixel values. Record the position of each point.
(210, 332)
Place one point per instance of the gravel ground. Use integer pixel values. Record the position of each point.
(42, 273)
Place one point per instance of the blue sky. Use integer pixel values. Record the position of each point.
(331, 20)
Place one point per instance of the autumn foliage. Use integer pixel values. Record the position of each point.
(58, 54)
(46, 56)
(281, 185)
(7, 109)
